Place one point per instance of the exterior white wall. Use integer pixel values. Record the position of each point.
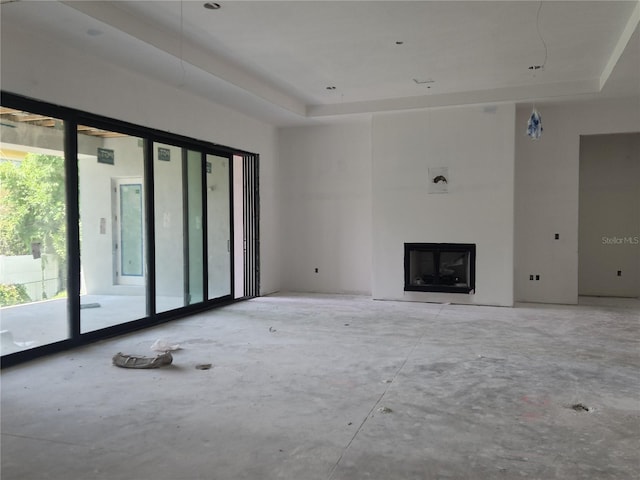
(477, 145)
(38, 275)
(609, 216)
(96, 203)
(43, 69)
(547, 184)
(326, 208)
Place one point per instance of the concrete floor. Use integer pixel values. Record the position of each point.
(39, 323)
(332, 387)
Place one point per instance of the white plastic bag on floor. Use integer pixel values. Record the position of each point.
(163, 346)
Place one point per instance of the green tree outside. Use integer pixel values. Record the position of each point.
(32, 206)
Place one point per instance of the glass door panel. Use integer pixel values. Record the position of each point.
(33, 238)
(195, 291)
(130, 262)
(112, 233)
(218, 226)
(239, 235)
(169, 230)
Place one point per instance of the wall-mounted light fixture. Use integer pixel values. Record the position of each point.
(534, 125)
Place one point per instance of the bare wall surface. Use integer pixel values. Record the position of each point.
(609, 230)
(476, 144)
(40, 68)
(547, 184)
(326, 208)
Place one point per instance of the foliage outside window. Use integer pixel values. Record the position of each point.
(32, 212)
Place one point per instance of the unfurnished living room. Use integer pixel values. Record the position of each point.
(320, 240)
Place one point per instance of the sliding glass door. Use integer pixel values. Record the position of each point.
(179, 234)
(33, 236)
(169, 226)
(194, 291)
(113, 244)
(107, 227)
(219, 244)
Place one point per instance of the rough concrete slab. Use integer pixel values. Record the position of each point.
(298, 385)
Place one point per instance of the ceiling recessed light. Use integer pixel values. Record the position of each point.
(212, 5)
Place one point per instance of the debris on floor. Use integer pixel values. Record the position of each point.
(89, 305)
(163, 346)
(138, 361)
(579, 407)
(271, 329)
(203, 366)
(385, 410)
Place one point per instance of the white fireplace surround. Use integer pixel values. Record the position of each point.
(477, 146)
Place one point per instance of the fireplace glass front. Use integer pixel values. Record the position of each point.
(439, 267)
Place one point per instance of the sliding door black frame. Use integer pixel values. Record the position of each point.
(72, 118)
(251, 223)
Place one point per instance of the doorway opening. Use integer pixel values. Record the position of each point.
(609, 216)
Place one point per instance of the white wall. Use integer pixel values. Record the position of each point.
(477, 145)
(354, 193)
(326, 208)
(41, 68)
(310, 196)
(39, 276)
(97, 245)
(609, 215)
(547, 182)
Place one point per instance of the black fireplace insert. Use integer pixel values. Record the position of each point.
(440, 267)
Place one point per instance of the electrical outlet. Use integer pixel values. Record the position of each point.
(530, 277)
(619, 273)
(316, 270)
(557, 236)
(537, 277)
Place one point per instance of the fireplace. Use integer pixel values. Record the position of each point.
(440, 267)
